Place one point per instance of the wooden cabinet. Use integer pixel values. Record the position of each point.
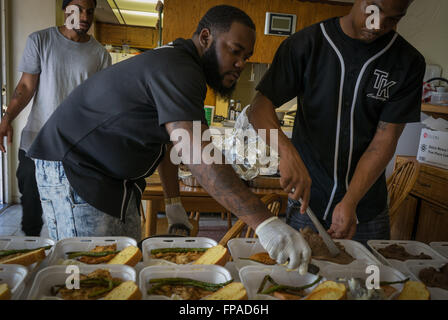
(432, 223)
(118, 35)
(426, 208)
(432, 188)
(182, 17)
(404, 226)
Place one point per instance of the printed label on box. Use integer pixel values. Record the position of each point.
(433, 148)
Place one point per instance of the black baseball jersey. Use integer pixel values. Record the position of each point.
(109, 133)
(345, 87)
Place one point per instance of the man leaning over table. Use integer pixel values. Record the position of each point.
(93, 154)
(55, 61)
(357, 88)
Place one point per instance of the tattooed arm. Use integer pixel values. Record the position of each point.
(221, 181)
(371, 165)
(168, 173)
(23, 94)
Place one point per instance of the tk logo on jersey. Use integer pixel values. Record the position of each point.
(383, 85)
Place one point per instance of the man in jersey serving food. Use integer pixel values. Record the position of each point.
(357, 87)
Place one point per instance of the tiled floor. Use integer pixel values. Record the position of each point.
(210, 225)
(10, 221)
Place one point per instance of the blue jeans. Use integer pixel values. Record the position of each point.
(68, 216)
(376, 229)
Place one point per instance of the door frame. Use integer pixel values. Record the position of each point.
(5, 195)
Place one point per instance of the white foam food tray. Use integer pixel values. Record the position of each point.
(440, 247)
(85, 244)
(207, 273)
(337, 272)
(56, 275)
(252, 277)
(173, 242)
(17, 243)
(412, 247)
(14, 276)
(415, 266)
(245, 247)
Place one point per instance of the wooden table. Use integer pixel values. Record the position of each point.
(194, 199)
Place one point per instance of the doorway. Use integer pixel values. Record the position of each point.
(4, 194)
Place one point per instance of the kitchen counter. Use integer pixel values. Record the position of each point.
(435, 110)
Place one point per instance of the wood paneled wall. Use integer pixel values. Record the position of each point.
(181, 18)
(118, 35)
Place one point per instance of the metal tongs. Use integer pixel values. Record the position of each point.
(334, 250)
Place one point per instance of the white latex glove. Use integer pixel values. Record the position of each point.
(176, 214)
(282, 242)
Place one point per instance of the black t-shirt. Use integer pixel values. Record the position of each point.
(109, 132)
(345, 87)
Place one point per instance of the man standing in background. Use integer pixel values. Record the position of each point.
(55, 61)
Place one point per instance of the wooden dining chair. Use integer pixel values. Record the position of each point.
(399, 185)
(274, 204)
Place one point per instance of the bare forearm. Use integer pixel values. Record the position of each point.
(373, 162)
(168, 173)
(370, 167)
(22, 95)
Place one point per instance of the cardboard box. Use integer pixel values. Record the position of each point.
(433, 148)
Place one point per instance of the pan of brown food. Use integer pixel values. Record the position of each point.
(433, 273)
(352, 252)
(395, 253)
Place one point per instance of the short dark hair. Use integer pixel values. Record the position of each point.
(220, 19)
(65, 3)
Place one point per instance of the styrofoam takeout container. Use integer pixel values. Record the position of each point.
(337, 272)
(252, 276)
(174, 242)
(415, 266)
(57, 275)
(14, 275)
(85, 244)
(245, 247)
(17, 243)
(440, 247)
(412, 247)
(207, 273)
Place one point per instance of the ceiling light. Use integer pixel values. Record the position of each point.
(139, 13)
